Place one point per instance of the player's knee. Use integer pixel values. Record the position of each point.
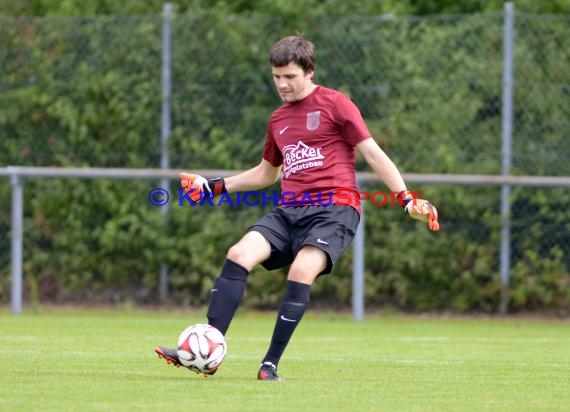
(237, 253)
(252, 249)
(243, 255)
(303, 275)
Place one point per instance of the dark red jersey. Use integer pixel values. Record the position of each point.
(314, 140)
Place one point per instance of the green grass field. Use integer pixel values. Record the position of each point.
(83, 360)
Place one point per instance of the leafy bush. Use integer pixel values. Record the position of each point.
(86, 92)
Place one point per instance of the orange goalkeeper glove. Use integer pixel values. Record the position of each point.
(419, 209)
(200, 187)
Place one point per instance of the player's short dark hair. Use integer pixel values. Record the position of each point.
(294, 49)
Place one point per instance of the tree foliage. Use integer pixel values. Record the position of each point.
(85, 91)
(293, 10)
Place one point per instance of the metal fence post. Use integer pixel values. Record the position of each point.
(165, 131)
(358, 270)
(17, 239)
(505, 252)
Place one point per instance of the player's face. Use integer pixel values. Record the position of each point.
(292, 82)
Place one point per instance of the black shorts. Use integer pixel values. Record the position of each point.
(288, 229)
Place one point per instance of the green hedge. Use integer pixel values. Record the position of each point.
(86, 92)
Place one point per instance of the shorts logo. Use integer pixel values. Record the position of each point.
(313, 120)
(297, 157)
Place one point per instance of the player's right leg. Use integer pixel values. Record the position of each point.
(229, 286)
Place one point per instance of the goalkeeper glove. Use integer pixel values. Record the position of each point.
(419, 209)
(200, 187)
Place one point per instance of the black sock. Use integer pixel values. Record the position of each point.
(226, 296)
(291, 309)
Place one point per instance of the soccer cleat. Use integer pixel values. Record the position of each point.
(170, 355)
(268, 372)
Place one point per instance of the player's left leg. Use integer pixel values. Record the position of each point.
(323, 234)
(308, 264)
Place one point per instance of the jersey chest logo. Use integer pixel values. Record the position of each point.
(313, 120)
(297, 157)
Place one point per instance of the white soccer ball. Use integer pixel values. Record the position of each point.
(202, 348)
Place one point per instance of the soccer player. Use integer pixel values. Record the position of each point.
(310, 142)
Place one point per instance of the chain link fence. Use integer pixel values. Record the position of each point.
(88, 92)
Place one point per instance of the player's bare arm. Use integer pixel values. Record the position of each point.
(258, 177)
(381, 164)
(387, 171)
